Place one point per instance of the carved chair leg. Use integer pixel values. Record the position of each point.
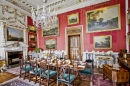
(29, 77)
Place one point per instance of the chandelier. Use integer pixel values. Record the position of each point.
(43, 17)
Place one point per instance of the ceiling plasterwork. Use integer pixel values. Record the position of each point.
(60, 6)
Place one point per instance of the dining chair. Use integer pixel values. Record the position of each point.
(89, 70)
(35, 70)
(24, 67)
(65, 76)
(47, 73)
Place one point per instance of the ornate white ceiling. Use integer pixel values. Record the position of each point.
(60, 6)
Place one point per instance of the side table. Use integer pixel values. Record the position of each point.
(118, 77)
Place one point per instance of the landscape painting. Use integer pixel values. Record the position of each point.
(14, 34)
(50, 43)
(51, 31)
(102, 42)
(73, 18)
(103, 19)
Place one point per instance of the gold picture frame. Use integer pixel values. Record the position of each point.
(50, 43)
(51, 31)
(32, 37)
(32, 29)
(102, 42)
(103, 19)
(73, 18)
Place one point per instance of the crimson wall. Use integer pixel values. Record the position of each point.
(118, 36)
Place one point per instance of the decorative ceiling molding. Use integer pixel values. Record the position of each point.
(60, 6)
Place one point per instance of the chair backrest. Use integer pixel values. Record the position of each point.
(33, 64)
(90, 59)
(64, 71)
(44, 66)
(29, 57)
(89, 56)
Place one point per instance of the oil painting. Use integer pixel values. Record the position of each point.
(102, 42)
(103, 19)
(14, 34)
(50, 43)
(73, 18)
(51, 30)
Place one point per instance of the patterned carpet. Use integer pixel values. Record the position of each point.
(15, 70)
(18, 82)
(100, 82)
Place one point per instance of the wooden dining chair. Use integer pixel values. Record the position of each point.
(24, 68)
(47, 73)
(89, 70)
(35, 70)
(65, 76)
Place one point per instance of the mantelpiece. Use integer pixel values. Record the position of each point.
(11, 46)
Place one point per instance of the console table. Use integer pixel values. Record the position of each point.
(103, 59)
(117, 76)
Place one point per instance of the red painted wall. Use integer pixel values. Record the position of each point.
(118, 36)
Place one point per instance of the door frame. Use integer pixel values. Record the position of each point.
(74, 30)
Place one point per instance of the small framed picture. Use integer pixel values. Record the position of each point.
(32, 29)
(102, 42)
(32, 37)
(32, 45)
(73, 18)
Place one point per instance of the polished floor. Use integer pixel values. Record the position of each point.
(7, 76)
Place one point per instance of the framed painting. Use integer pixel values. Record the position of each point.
(32, 37)
(102, 42)
(51, 31)
(73, 18)
(32, 45)
(14, 34)
(32, 29)
(50, 43)
(103, 19)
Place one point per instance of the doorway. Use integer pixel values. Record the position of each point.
(74, 46)
(74, 42)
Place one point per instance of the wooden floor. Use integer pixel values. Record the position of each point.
(7, 76)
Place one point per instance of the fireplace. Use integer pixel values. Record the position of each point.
(13, 57)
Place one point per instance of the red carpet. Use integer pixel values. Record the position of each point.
(100, 82)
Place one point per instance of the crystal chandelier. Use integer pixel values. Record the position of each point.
(43, 17)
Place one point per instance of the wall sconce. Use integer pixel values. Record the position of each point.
(128, 16)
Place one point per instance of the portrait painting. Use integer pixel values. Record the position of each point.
(73, 18)
(14, 34)
(50, 43)
(102, 42)
(103, 19)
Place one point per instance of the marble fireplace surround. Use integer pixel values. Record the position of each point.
(11, 46)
